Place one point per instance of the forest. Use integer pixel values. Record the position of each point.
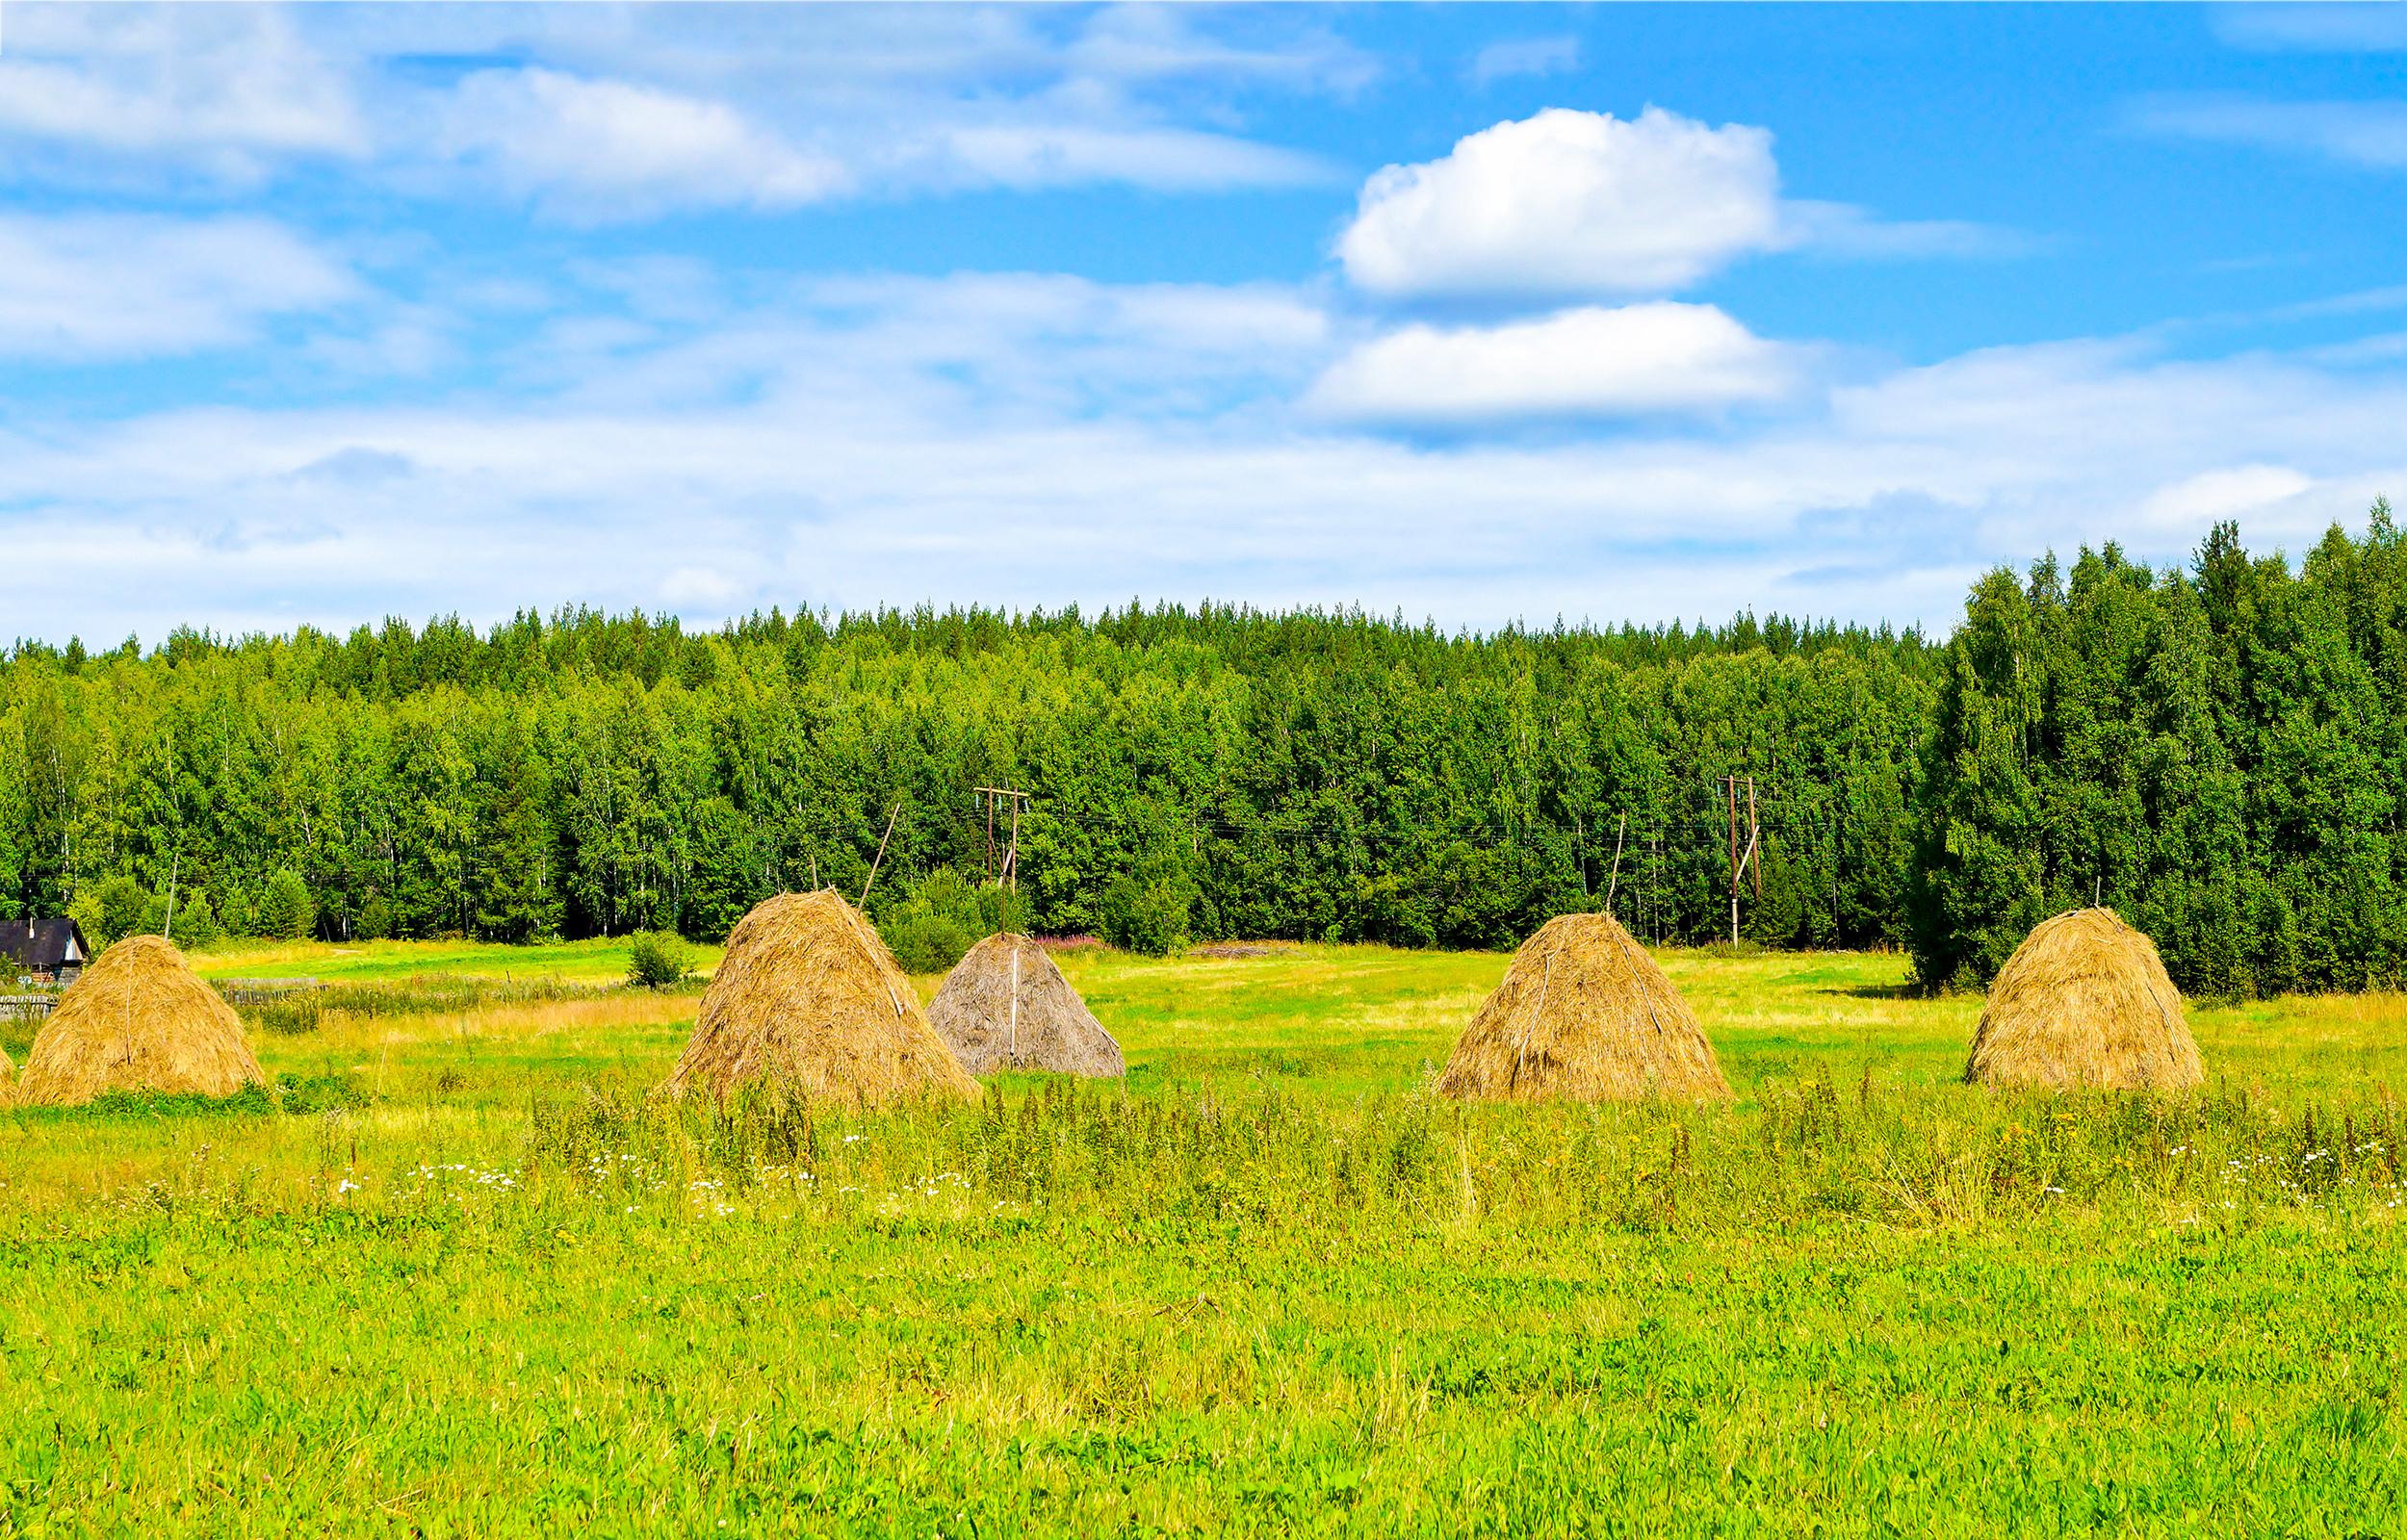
(2215, 748)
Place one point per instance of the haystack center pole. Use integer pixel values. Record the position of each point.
(1015, 1003)
(881, 850)
(1615, 885)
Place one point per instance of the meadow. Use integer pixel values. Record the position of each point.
(459, 1275)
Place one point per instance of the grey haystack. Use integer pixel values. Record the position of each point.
(1005, 1006)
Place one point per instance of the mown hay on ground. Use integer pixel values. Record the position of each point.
(139, 1019)
(809, 1002)
(1005, 1006)
(1583, 1014)
(2084, 1002)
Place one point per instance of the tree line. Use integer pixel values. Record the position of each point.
(2216, 750)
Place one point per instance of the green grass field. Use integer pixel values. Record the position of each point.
(467, 1281)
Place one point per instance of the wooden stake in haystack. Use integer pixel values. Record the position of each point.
(2084, 1002)
(1583, 1014)
(808, 1000)
(139, 1019)
(1005, 1006)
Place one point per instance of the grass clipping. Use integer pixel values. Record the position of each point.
(1585, 1015)
(139, 1019)
(1005, 1006)
(809, 1001)
(2084, 1001)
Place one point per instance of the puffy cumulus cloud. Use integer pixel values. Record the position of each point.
(606, 148)
(1568, 202)
(1634, 361)
(93, 286)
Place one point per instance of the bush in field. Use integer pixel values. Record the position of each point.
(1145, 912)
(943, 914)
(658, 959)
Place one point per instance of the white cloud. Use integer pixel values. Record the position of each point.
(1524, 56)
(1568, 202)
(1038, 440)
(2305, 26)
(1635, 361)
(1033, 155)
(605, 148)
(2370, 134)
(231, 88)
(2210, 497)
(116, 286)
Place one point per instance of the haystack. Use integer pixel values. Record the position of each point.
(2084, 1001)
(808, 1000)
(139, 1019)
(1005, 1006)
(1584, 1013)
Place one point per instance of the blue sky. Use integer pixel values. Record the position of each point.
(321, 313)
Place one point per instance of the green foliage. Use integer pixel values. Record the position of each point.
(109, 910)
(194, 921)
(942, 916)
(1145, 912)
(286, 910)
(375, 920)
(2221, 754)
(656, 960)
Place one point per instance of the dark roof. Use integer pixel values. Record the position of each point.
(42, 944)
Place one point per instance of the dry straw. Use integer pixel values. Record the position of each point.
(1005, 1006)
(2084, 1001)
(1584, 1013)
(139, 1019)
(809, 1001)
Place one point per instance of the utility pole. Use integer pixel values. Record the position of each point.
(1742, 858)
(1008, 876)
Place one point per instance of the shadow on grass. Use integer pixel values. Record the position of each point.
(1878, 991)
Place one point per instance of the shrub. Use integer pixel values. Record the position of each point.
(658, 959)
(1146, 913)
(943, 914)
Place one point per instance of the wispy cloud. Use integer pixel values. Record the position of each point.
(2368, 134)
(87, 286)
(2359, 27)
(605, 150)
(1516, 58)
(892, 439)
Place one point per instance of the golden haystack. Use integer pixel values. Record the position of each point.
(1005, 1006)
(1586, 1014)
(2084, 1001)
(139, 1019)
(809, 1000)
